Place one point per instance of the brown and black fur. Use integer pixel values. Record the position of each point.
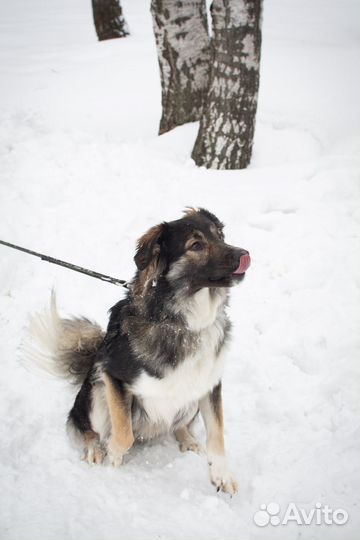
(157, 333)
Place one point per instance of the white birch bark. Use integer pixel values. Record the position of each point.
(183, 47)
(226, 131)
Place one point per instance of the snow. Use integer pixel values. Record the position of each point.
(83, 175)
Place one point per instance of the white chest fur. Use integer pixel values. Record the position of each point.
(197, 374)
(202, 310)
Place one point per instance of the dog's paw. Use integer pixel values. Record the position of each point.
(221, 477)
(191, 446)
(116, 453)
(115, 459)
(94, 455)
(225, 484)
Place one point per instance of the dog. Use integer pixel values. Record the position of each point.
(161, 360)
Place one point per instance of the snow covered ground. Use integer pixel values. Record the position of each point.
(83, 174)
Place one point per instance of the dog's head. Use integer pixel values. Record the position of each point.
(191, 250)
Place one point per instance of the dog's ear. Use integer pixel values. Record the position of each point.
(191, 211)
(149, 247)
(219, 224)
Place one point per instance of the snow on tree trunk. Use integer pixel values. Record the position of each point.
(226, 131)
(183, 47)
(109, 20)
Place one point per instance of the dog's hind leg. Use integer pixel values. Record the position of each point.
(94, 451)
(119, 403)
(187, 441)
(79, 426)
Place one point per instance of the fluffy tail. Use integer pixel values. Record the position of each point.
(65, 348)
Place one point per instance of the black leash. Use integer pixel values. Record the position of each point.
(74, 267)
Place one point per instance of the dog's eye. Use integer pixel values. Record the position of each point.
(196, 246)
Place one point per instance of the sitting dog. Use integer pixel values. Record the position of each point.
(161, 359)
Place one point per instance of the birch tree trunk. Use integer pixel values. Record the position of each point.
(226, 131)
(183, 47)
(109, 20)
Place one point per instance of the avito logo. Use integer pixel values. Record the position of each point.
(319, 515)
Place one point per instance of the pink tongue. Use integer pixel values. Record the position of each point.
(244, 264)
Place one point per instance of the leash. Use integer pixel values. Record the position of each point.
(70, 266)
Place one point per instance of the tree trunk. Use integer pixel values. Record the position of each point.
(226, 131)
(183, 46)
(109, 20)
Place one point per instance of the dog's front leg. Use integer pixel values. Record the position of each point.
(119, 404)
(212, 413)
